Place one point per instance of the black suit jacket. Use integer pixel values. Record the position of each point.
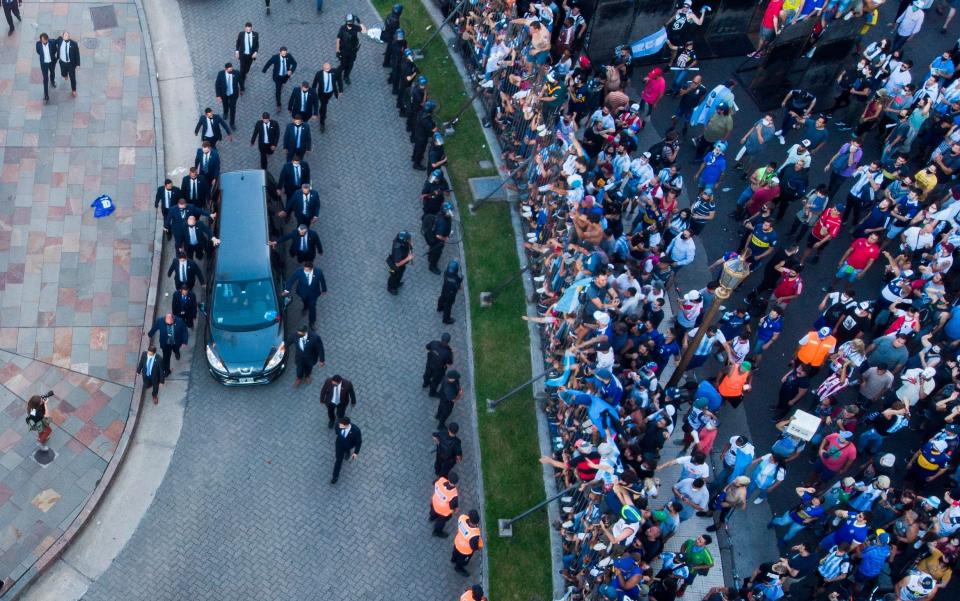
(290, 138)
(156, 378)
(74, 51)
(254, 47)
(218, 126)
(274, 63)
(213, 168)
(220, 85)
(203, 190)
(312, 351)
(352, 441)
(187, 309)
(287, 181)
(161, 197)
(314, 247)
(295, 204)
(296, 106)
(273, 134)
(347, 394)
(193, 273)
(53, 52)
(180, 333)
(176, 222)
(306, 291)
(181, 235)
(336, 84)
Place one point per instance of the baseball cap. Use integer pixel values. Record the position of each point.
(601, 317)
(929, 372)
(939, 446)
(845, 434)
(634, 107)
(824, 331)
(933, 501)
(805, 143)
(883, 481)
(888, 460)
(848, 481)
(775, 180)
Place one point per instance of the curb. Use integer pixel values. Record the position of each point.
(136, 400)
(536, 357)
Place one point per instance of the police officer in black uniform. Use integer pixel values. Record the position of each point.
(388, 33)
(405, 76)
(416, 96)
(348, 42)
(436, 232)
(452, 280)
(434, 193)
(439, 358)
(422, 133)
(450, 392)
(437, 155)
(401, 253)
(395, 56)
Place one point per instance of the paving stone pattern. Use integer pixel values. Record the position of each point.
(72, 288)
(246, 510)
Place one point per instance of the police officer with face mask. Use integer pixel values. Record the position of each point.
(437, 155)
(422, 133)
(452, 280)
(436, 232)
(388, 33)
(395, 50)
(416, 96)
(408, 72)
(433, 193)
(401, 253)
(348, 42)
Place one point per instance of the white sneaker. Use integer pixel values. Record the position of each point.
(782, 140)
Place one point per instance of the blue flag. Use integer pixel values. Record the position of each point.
(103, 206)
(650, 44)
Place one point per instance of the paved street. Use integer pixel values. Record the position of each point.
(73, 289)
(246, 510)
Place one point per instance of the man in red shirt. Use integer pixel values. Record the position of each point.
(858, 259)
(788, 288)
(770, 26)
(824, 230)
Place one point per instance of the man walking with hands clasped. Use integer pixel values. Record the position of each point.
(348, 441)
(336, 393)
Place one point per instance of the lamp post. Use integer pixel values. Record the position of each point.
(734, 272)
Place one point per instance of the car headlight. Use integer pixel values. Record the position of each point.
(214, 360)
(277, 357)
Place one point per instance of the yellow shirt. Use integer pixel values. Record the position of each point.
(794, 5)
(926, 181)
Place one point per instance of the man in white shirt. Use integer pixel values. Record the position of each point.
(47, 53)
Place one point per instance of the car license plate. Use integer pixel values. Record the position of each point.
(246, 380)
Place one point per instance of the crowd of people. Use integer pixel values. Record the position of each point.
(607, 236)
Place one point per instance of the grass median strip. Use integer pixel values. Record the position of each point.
(520, 566)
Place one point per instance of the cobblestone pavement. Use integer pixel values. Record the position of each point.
(246, 510)
(72, 288)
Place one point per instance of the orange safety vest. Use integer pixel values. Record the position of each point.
(466, 533)
(732, 384)
(815, 351)
(468, 596)
(443, 497)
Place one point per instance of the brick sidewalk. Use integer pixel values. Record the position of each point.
(73, 289)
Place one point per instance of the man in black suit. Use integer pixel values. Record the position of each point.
(69, 53)
(227, 88)
(296, 139)
(207, 163)
(173, 334)
(310, 285)
(307, 349)
(184, 306)
(178, 216)
(47, 53)
(283, 65)
(293, 174)
(305, 204)
(248, 43)
(195, 238)
(210, 128)
(166, 199)
(149, 367)
(328, 83)
(185, 272)
(305, 245)
(336, 394)
(195, 188)
(303, 101)
(348, 441)
(11, 8)
(267, 133)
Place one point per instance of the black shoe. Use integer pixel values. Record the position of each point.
(323, 127)
(392, 291)
(450, 321)
(712, 528)
(419, 167)
(53, 84)
(176, 354)
(330, 425)
(435, 269)
(435, 395)
(9, 33)
(333, 480)
(441, 534)
(46, 100)
(461, 571)
(346, 79)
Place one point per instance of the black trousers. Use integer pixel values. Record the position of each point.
(434, 251)
(265, 153)
(432, 376)
(444, 409)
(245, 62)
(310, 306)
(336, 411)
(186, 319)
(346, 64)
(278, 89)
(10, 11)
(230, 109)
(69, 70)
(194, 251)
(442, 467)
(445, 305)
(304, 369)
(153, 386)
(167, 351)
(324, 99)
(459, 559)
(48, 70)
(419, 147)
(338, 463)
(396, 277)
(439, 521)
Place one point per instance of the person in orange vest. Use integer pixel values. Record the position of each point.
(815, 348)
(735, 383)
(444, 503)
(474, 593)
(466, 542)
